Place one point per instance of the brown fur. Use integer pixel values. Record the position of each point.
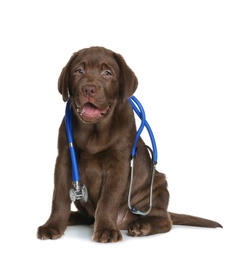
(103, 143)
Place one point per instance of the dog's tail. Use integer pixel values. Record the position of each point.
(187, 220)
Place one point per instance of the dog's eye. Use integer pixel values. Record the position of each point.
(80, 71)
(106, 73)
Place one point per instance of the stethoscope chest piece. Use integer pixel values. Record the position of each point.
(79, 192)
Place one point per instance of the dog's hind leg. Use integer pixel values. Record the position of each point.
(150, 225)
(159, 219)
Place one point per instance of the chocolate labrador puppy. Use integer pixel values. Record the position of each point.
(98, 83)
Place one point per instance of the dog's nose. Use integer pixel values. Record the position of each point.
(89, 90)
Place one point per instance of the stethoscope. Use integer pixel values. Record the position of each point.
(79, 191)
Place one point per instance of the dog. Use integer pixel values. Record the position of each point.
(98, 83)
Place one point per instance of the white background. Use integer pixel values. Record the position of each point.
(187, 57)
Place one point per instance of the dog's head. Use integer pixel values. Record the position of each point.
(96, 79)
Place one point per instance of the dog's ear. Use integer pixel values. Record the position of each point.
(63, 82)
(128, 80)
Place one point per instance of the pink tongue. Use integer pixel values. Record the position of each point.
(90, 109)
(91, 112)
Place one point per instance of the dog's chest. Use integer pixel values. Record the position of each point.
(93, 169)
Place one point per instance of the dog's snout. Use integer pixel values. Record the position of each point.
(89, 90)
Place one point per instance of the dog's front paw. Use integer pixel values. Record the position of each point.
(106, 235)
(49, 232)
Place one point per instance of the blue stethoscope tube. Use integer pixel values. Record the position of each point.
(69, 131)
(139, 110)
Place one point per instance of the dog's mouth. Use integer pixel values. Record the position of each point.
(89, 112)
